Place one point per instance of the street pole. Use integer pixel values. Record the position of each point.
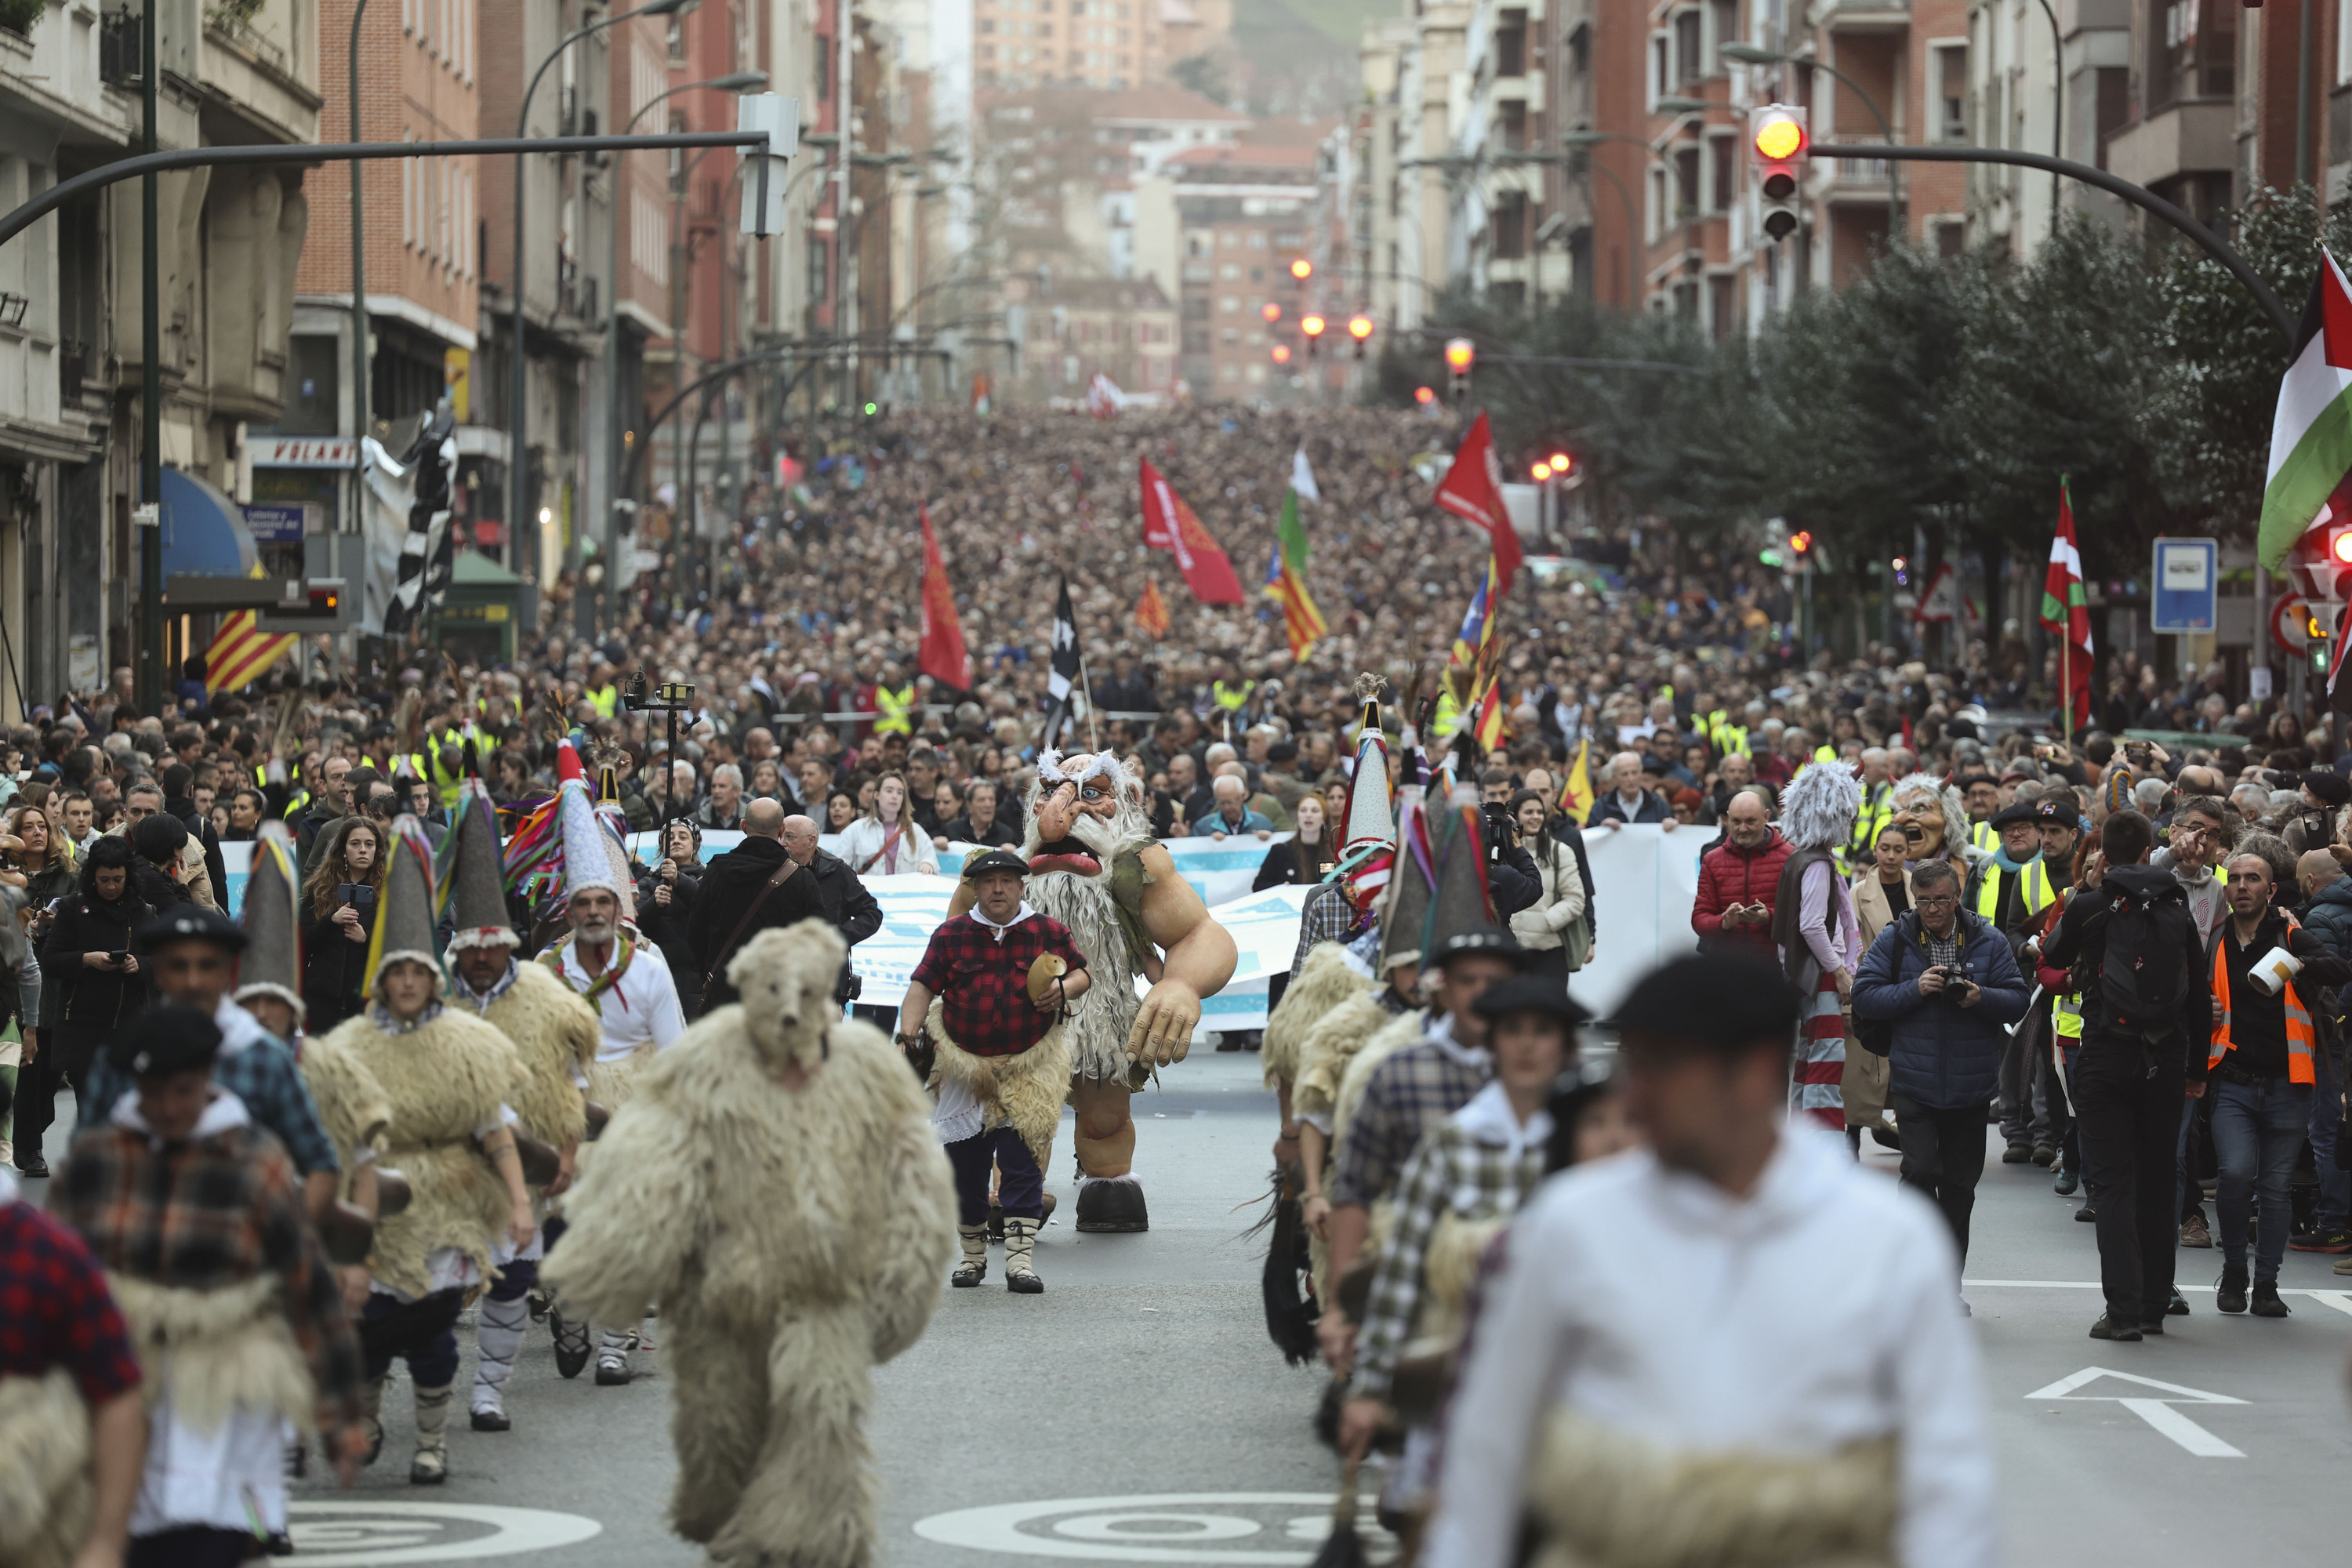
(845, 315)
(149, 689)
(359, 294)
(518, 525)
(2058, 116)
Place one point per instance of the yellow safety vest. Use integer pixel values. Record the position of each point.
(605, 700)
(2301, 1037)
(1232, 698)
(1825, 752)
(1984, 836)
(895, 708)
(2038, 891)
(1868, 823)
(447, 780)
(1726, 737)
(2066, 1017)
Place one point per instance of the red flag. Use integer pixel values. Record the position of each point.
(1472, 491)
(2065, 612)
(1151, 612)
(942, 656)
(1169, 524)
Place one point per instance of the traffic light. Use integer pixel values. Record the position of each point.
(1270, 312)
(1281, 352)
(1360, 327)
(1777, 140)
(1562, 464)
(1302, 270)
(1540, 472)
(1801, 550)
(1425, 395)
(1312, 325)
(1461, 353)
(2321, 565)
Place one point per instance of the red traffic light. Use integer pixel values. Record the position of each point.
(1460, 354)
(1281, 352)
(1561, 463)
(1540, 472)
(1360, 327)
(1312, 324)
(1423, 395)
(1302, 270)
(1800, 544)
(2341, 546)
(1271, 311)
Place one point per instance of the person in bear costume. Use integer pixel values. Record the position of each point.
(775, 1184)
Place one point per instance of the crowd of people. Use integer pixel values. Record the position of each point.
(1915, 916)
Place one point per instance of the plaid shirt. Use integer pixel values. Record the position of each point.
(1325, 916)
(1470, 1166)
(215, 1210)
(1410, 1093)
(262, 1072)
(980, 973)
(54, 1309)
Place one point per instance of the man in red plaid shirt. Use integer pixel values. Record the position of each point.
(63, 1343)
(992, 1001)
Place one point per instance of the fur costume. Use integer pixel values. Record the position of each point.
(1370, 1041)
(1327, 1048)
(795, 1230)
(1817, 809)
(555, 1033)
(1103, 911)
(442, 1080)
(1025, 1088)
(217, 1350)
(1605, 1499)
(45, 1491)
(1326, 980)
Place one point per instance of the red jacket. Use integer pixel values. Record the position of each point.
(1729, 875)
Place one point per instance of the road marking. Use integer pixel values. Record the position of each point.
(1186, 1527)
(2157, 1412)
(2340, 1299)
(383, 1534)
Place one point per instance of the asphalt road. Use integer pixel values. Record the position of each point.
(1135, 1412)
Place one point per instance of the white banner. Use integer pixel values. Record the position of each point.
(1646, 879)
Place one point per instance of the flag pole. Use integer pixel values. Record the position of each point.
(1094, 743)
(2066, 677)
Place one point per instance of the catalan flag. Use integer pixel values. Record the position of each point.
(240, 653)
(1477, 634)
(1285, 581)
(1575, 794)
(1490, 715)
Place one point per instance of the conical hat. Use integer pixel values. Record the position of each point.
(1458, 844)
(477, 890)
(272, 962)
(586, 861)
(1371, 817)
(616, 855)
(403, 925)
(1404, 912)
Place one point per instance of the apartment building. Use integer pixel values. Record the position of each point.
(1405, 162)
(1243, 213)
(1071, 329)
(1112, 45)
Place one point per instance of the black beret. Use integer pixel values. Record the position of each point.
(192, 920)
(1531, 993)
(1282, 752)
(1726, 1001)
(2011, 815)
(165, 1040)
(995, 860)
(2328, 785)
(160, 839)
(1490, 941)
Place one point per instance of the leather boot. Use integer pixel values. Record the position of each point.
(571, 1341)
(1020, 1257)
(973, 1269)
(430, 1467)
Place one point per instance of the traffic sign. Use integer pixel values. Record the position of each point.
(2292, 626)
(2187, 580)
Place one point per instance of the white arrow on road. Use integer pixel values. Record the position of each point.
(2157, 1412)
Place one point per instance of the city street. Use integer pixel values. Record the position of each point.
(1135, 1412)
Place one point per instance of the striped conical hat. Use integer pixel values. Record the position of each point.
(271, 964)
(403, 926)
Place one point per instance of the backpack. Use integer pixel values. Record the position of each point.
(2140, 982)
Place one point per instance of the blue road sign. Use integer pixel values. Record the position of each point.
(2187, 580)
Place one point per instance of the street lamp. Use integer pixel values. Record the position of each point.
(518, 383)
(1592, 139)
(1673, 103)
(738, 81)
(1749, 55)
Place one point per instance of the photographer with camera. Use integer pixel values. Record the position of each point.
(849, 909)
(340, 901)
(1945, 979)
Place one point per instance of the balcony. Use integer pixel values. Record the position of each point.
(1863, 16)
(2187, 139)
(1857, 179)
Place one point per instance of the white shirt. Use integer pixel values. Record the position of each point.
(1822, 1311)
(643, 1006)
(861, 843)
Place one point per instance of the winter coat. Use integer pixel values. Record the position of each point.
(333, 967)
(2328, 916)
(1729, 875)
(666, 925)
(1649, 808)
(1291, 864)
(729, 887)
(1944, 1056)
(1560, 899)
(848, 907)
(88, 1003)
(1871, 909)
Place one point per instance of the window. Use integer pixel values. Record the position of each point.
(1660, 219)
(1690, 51)
(2114, 106)
(1720, 312)
(1952, 85)
(1721, 157)
(677, 155)
(1951, 240)
(1510, 225)
(1727, 29)
(1687, 192)
(1660, 85)
(1511, 45)
(1513, 123)
(2192, 51)
(1231, 305)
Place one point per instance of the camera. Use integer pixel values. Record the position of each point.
(849, 987)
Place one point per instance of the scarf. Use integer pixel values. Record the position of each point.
(624, 954)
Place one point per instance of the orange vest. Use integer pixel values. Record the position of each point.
(2300, 1036)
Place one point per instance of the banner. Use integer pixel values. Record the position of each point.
(1647, 880)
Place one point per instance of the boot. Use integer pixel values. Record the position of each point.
(2230, 1295)
(431, 1465)
(973, 1269)
(1112, 1204)
(1020, 1257)
(2266, 1299)
(571, 1341)
(613, 1359)
(500, 1337)
(371, 1418)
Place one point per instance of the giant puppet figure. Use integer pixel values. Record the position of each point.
(1095, 866)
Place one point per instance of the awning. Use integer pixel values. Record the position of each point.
(204, 534)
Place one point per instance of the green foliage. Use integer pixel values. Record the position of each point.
(18, 15)
(1943, 395)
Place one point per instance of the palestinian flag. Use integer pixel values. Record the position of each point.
(2064, 611)
(2311, 433)
(1286, 581)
